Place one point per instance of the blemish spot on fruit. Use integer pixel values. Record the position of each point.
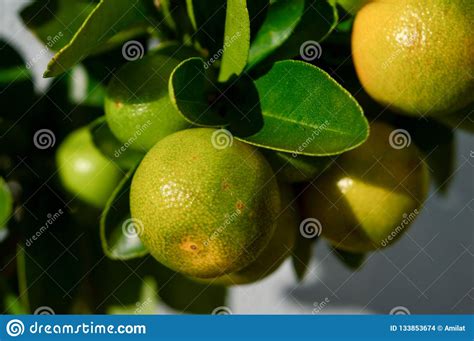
(240, 205)
(225, 186)
(118, 105)
(188, 245)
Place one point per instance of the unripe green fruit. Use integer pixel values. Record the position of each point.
(204, 209)
(416, 56)
(278, 249)
(137, 104)
(84, 171)
(372, 194)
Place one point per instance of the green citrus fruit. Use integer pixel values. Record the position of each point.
(206, 208)
(416, 55)
(372, 194)
(137, 104)
(84, 171)
(278, 249)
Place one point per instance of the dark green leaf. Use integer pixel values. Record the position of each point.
(188, 88)
(301, 256)
(281, 20)
(54, 22)
(306, 112)
(319, 20)
(111, 147)
(352, 260)
(236, 40)
(108, 18)
(6, 203)
(208, 19)
(118, 231)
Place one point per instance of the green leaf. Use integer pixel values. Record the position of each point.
(189, 87)
(319, 20)
(301, 256)
(306, 112)
(208, 20)
(352, 6)
(107, 19)
(111, 147)
(350, 259)
(54, 22)
(6, 203)
(281, 20)
(119, 233)
(236, 39)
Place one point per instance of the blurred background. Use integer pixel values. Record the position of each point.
(429, 271)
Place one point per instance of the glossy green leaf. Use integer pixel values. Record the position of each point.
(111, 147)
(350, 259)
(318, 21)
(107, 19)
(54, 22)
(281, 20)
(306, 112)
(119, 233)
(236, 40)
(6, 203)
(188, 89)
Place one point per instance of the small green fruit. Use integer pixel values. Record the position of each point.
(372, 194)
(84, 171)
(205, 209)
(137, 104)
